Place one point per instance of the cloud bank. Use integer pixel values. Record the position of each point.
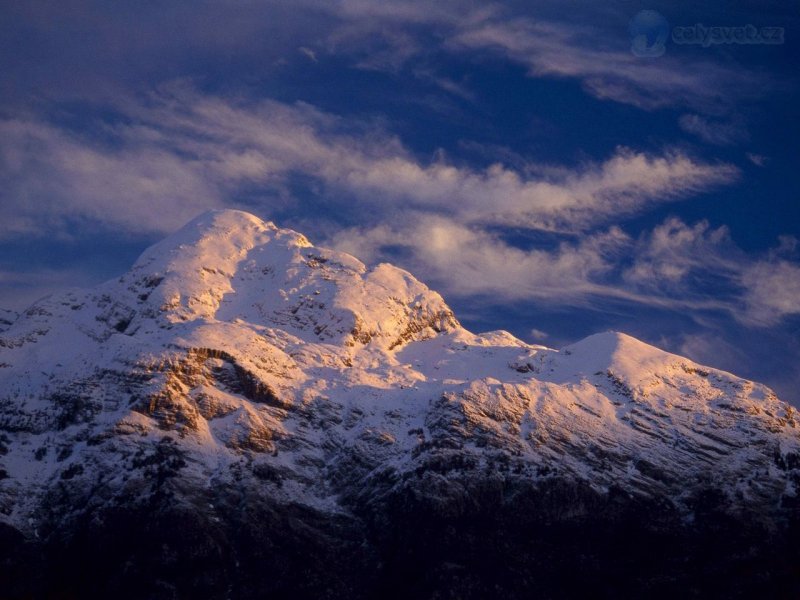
(165, 157)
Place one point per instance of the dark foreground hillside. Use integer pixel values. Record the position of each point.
(482, 539)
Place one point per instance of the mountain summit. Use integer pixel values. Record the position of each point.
(231, 266)
(246, 415)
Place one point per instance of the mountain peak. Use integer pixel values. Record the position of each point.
(229, 265)
(227, 217)
(213, 237)
(621, 348)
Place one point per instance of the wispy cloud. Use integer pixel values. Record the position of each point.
(180, 151)
(675, 266)
(718, 132)
(602, 61)
(471, 261)
(167, 156)
(758, 160)
(308, 53)
(679, 260)
(772, 290)
(591, 47)
(49, 175)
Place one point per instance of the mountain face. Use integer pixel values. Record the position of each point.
(245, 415)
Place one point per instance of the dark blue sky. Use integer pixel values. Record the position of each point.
(553, 168)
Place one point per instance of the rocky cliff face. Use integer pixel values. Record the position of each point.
(244, 415)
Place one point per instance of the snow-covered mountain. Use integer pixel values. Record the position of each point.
(244, 414)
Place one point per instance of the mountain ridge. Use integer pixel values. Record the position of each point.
(238, 368)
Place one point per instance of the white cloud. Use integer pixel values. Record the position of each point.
(692, 261)
(602, 62)
(308, 53)
(450, 86)
(694, 269)
(593, 48)
(583, 42)
(673, 251)
(624, 184)
(772, 291)
(49, 175)
(469, 261)
(717, 132)
(180, 152)
(757, 159)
